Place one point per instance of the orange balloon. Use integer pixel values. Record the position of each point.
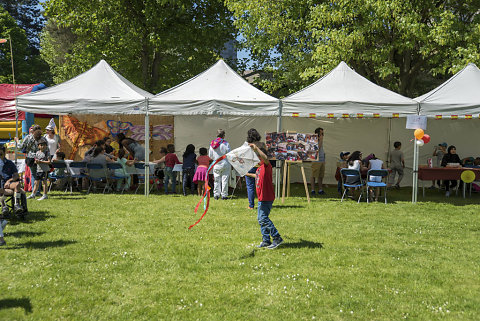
(418, 133)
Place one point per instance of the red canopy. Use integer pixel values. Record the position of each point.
(7, 100)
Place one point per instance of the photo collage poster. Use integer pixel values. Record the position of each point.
(292, 146)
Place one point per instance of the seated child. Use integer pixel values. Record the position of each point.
(59, 174)
(13, 187)
(375, 164)
(122, 172)
(42, 160)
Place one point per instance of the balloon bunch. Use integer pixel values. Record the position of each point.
(421, 137)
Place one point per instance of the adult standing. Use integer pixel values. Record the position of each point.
(53, 141)
(450, 158)
(318, 166)
(253, 137)
(30, 147)
(221, 171)
(132, 146)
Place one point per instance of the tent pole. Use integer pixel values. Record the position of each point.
(147, 150)
(415, 172)
(278, 165)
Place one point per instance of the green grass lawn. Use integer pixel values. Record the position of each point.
(125, 257)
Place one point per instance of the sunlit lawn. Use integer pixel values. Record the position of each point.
(126, 257)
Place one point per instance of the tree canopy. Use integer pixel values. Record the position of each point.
(154, 43)
(408, 46)
(22, 20)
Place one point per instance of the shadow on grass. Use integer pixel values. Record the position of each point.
(69, 197)
(289, 206)
(36, 217)
(20, 234)
(41, 245)
(302, 244)
(16, 303)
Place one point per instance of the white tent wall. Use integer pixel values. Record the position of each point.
(200, 130)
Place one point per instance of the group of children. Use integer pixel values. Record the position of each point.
(191, 175)
(371, 162)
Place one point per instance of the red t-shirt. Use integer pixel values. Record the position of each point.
(171, 159)
(264, 182)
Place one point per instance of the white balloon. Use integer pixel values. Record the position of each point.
(420, 142)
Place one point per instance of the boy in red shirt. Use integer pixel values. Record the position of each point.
(266, 196)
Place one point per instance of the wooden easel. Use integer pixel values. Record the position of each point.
(286, 181)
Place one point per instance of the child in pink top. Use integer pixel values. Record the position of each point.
(170, 161)
(200, 176)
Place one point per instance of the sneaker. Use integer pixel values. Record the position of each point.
(276, 242)
(432, 187)
(321, 192)
(5, 210)
(30, 196)
(224, 198)
(18, 208)
(216, 197)
(312, 193)
(264, 244)
(447, 193)
(44, 197)
(38, 194)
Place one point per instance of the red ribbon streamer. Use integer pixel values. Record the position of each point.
(207, 192)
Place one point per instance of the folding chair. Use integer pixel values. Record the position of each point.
(383, 173)
(96, 174)
(140, 167)
(112, 178)
(77, 172)
(351, 173)
(10, 203)
(62, 174)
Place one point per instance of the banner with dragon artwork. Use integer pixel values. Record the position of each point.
(79, 132)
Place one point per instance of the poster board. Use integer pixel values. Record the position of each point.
(79, 132)
(292, 146)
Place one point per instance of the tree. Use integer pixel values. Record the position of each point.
(154, 43)
(28, 15)
(29, 66)
(408, 46)
(8, 27)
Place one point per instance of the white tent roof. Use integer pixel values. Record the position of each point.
(217, 90)
(343, 91)
(100, 90)
(459, 95)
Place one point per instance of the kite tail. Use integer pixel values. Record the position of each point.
(206, 195)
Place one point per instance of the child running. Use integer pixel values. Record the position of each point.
(200, 176)
(266, 196)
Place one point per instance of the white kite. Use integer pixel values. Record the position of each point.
(243, 159)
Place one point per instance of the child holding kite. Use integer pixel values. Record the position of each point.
(266, 196)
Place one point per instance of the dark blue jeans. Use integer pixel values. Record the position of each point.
(266, 225)
(251, 187)
(188, 174)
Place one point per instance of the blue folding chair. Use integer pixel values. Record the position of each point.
(96, 174)
(60, 172)
(352, 173)
(112, 178)
(383, 174)
(77, 173)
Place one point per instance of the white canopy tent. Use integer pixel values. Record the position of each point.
(459, 95)
(343, 91)
(100, 90)
(218, 90)
(350, 102)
